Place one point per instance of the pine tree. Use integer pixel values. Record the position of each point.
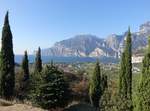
(7, 59)
(144, 87)
(38, 61)
(125, 77)
(95, 90)
(54, 90)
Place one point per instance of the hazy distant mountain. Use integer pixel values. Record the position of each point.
(80, 45)
(93, 46)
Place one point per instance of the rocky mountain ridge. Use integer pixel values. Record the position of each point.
(93, 46)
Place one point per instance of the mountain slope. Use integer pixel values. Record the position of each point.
(93, 46)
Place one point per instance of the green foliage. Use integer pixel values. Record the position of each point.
(128, 64)
(25, 66)
(122, 78)
(104, 83)
(106, 101)
(34, 87)
(54, 90)
(95, 90)
(7, 61)
(125, 77)
(143, 100)
(38, 61)
(123, 103)
(36, 79)
(23, 79)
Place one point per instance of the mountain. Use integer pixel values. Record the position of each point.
(93, 46)
(80, 45)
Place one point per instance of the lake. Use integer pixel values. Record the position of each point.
(47, 59)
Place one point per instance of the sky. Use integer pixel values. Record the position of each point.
(41, 23)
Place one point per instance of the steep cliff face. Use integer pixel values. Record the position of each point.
(93, 46)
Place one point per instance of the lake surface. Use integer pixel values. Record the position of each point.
(47, 59)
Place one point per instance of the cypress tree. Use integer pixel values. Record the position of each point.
(144, 87)
(122, 79)
(38, 61)
(125, 76)
(24, 83)
(95, 90)
(7, 59)
(25, 67)
(128, 63)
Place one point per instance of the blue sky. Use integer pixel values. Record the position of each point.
(43, 22)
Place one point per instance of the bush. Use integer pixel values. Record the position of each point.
(123, 103)
(22, 86)
(80, 91)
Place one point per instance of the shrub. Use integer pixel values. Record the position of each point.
(80, 91)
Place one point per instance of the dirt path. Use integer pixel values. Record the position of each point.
(19, 107)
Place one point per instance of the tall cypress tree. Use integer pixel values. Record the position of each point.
(95, 90)
(7, 59)
(144, 87)
(25, 67)
(125, 77)
(38, 61)
(128, 63)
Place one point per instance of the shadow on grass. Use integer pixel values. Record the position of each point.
(80, 107)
